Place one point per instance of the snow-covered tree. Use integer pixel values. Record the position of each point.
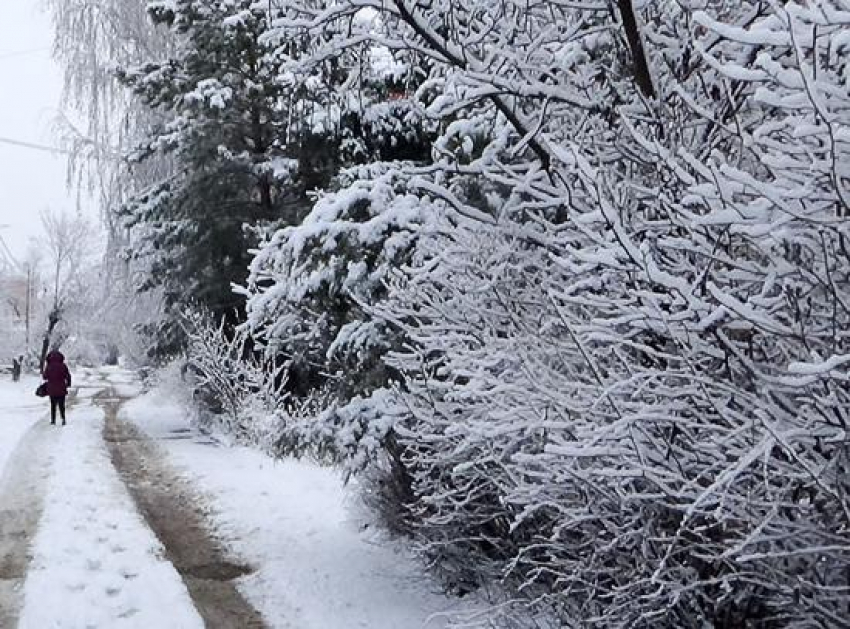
(69, 251)
(623, 389)
(309, 282)
(105, 123)
(572, 281)
(224, 130)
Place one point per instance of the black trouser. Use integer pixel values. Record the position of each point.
(58, 401)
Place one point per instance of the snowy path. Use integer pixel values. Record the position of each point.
(95, 562)
(315, 565)
(130, 519)
(22, 476)
(173, 511)
(21, 503)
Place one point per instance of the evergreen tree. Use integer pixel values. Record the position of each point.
(225, 130)
(311, 283)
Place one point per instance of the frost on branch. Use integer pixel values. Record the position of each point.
(238, 393)
(637, 417)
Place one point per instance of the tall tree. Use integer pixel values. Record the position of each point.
(224, 128)
(68, 249)
(92, 38)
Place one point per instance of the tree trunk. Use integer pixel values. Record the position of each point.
(52, 320)
(259, 150)
(643, 78)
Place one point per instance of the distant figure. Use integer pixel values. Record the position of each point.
(16, 369)
(58, 380)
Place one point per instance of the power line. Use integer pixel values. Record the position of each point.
(104, 151)
(32, 145)
(21, 53)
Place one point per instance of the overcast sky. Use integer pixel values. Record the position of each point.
(30, 88)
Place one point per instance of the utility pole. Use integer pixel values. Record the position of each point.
(27, 308)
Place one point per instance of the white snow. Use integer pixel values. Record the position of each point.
(316, 568)
(19, 410)
(819, 367)
(96, 563)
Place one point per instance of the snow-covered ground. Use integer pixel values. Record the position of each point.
(96, 563)
(316, 568)
(19, 410)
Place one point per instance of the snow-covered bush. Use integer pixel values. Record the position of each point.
(238, 393)
(310, 283)
(638, 417)
(624, 389)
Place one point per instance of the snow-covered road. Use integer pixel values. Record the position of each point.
(82, 550)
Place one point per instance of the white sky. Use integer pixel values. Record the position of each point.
(30, 87)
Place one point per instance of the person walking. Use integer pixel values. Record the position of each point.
(58, 379)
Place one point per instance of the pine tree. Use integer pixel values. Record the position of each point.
(225, 128)
(311, 283)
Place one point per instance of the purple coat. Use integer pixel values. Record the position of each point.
(56, 375)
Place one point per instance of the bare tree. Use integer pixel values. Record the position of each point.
(67, 247)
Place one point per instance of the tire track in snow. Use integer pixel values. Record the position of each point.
(170, 508)
(22, 490)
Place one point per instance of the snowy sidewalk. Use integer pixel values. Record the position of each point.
(315, 568)
(97, 563)
(22, 480)
(19, 411)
